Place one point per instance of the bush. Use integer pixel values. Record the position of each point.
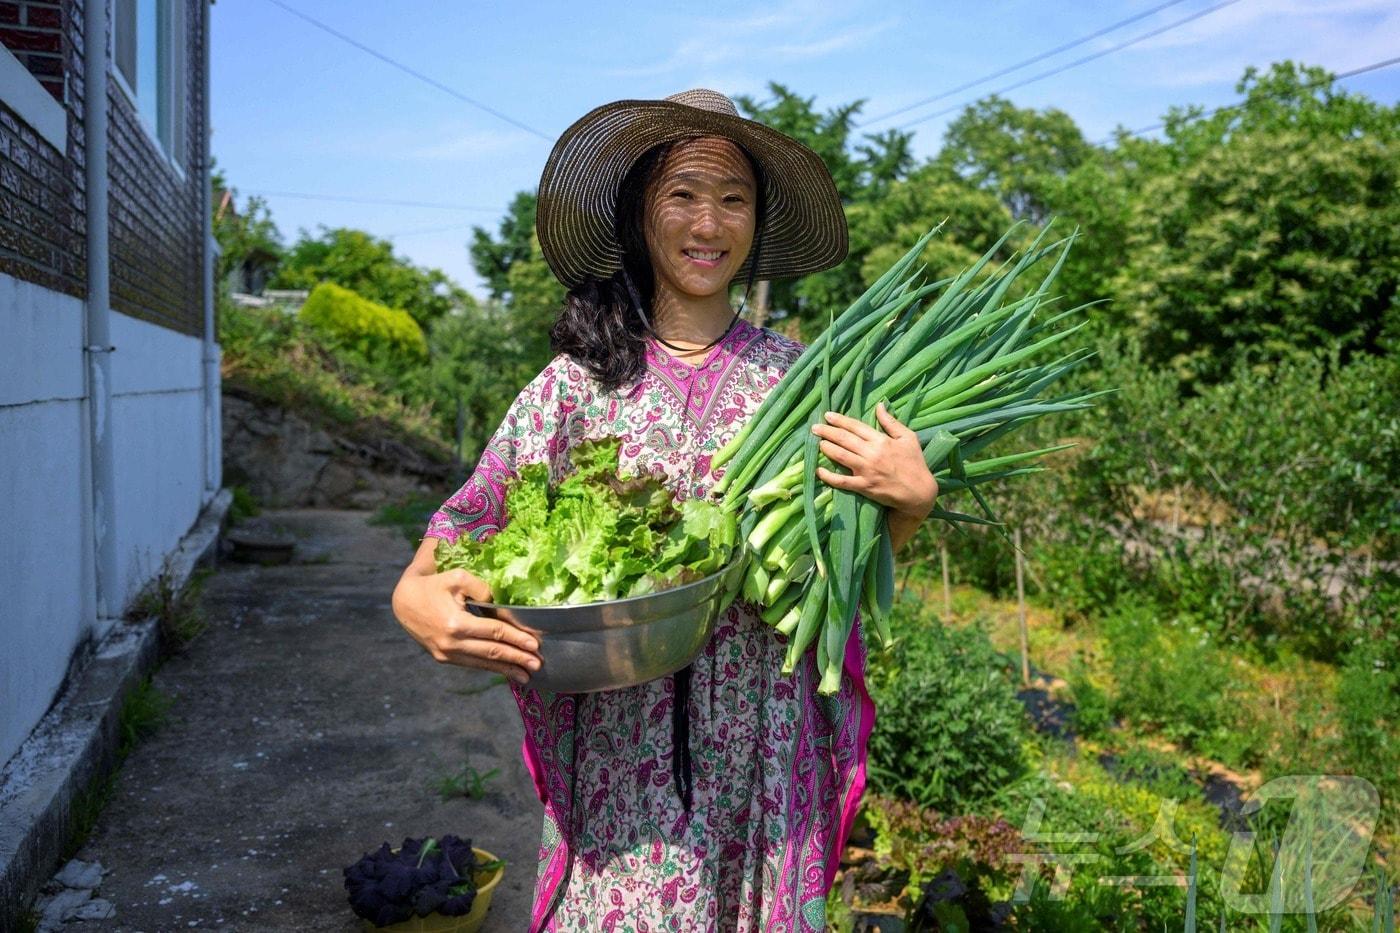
(949, 726)
(1368, 701)
(382, 336)
(1092, 714)
(1169, 677)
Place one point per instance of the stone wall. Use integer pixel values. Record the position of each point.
(286, 461)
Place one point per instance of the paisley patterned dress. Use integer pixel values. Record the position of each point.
(777, 769)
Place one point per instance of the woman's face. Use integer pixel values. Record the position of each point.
(699, 216)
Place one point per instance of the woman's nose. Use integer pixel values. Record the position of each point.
(705, 222)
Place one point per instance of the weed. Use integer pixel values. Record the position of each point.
(495, 680)
(243, 505)
(410, 516)
(177, 611)
(468, 782)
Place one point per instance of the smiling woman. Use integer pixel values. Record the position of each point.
(718, 798)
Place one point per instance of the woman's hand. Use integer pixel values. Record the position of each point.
(430, 607)
(886, 466)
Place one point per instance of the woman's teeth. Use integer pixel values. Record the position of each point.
(711, 255)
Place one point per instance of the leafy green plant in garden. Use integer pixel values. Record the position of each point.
(1169, 677)
(950, 725)
(924, 843)
(1368, 700)
(1092, 713)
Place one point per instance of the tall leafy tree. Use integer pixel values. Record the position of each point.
(366, 265)
(1276, 230)
(493, 256)
(241, 234)
(1014, 152)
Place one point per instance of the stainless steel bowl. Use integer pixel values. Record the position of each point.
(622, 642)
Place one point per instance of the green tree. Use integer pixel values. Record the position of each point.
(241, 235)
(493, 257)
(1014, 152)
(366, 265)
(1276, 230)
(863, 173)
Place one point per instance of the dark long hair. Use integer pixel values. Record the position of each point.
(599, 326)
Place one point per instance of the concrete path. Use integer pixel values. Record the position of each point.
(307, 728)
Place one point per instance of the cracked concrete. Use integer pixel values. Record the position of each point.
(306, 728)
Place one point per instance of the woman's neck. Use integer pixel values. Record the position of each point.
(690, 322)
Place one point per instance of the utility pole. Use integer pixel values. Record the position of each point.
(758, 314)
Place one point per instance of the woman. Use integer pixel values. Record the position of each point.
(718, 798)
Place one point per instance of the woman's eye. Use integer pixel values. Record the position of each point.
(679, 193)
(736, 198)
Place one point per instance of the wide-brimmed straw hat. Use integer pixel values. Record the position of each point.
(804, 228)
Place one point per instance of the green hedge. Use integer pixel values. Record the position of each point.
(377, 332)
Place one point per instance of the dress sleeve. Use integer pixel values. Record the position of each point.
(530, 433)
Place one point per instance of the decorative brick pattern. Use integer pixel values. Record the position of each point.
(155, 221)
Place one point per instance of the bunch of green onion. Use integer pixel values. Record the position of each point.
(952, 360)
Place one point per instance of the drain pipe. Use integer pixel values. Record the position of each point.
(213, 431)
(98, 344)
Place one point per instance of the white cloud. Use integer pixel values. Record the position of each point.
(1336, 34)
(467, 145)
(795, 31)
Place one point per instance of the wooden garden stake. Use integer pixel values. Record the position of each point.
(1021, 606)
(947, 586)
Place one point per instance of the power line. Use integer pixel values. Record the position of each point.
(404, 233)
(1080, 61)
(1021, 64)
(358, 200)
(1240, 103)
(417, 74)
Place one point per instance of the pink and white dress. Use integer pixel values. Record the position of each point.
(778, 769)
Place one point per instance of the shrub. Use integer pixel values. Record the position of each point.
(1168, 677)
(1092, 715)
(1368, 701)
(380, 335)
(949, 726)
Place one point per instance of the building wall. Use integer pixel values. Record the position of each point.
(157, 233)
(158, 427)
(45, 500)
(154, 216)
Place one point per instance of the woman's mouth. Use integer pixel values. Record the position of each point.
(705, 258)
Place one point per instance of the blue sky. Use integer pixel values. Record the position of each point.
(297, 110)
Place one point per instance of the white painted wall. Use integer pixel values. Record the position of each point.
(47, 582)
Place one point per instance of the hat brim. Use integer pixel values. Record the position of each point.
(804, 228)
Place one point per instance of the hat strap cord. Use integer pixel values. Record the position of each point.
(637, 306)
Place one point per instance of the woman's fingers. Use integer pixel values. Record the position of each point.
(496, 632)
(841, 455)
(853, 425)
(892, 425)
(853, 483)
(847, 439)
(473, 587)
(509, 671)
(492, 655)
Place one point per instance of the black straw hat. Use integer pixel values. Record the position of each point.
(804, 229)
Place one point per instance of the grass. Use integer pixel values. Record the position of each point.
(244, 505)
(144, 711)
(272, 356)
(410, 516)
